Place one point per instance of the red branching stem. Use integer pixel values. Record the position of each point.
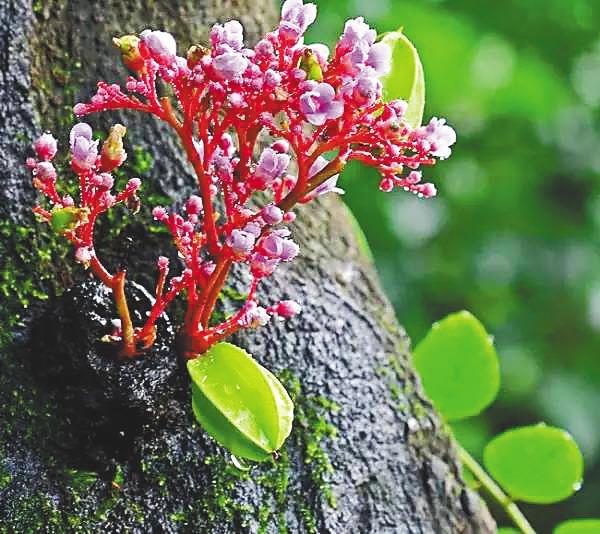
(311, 105)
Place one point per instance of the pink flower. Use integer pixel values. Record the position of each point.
(380, 58)
(254, 316)
(364, 90)
(319, 104)
(231, 34)
(81, 129)
(84, 153)
(440, 136)
(295, 19)
(271, 214)
(160, 45)
(230, 65)
(241, 242)
(290, 250)
(271, 165)
(262, 266)
(272, 246)
(356, 34)
(45, 147)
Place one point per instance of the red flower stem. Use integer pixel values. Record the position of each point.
(117, 285)
(185, 135)
(127, 333)
(213, 294)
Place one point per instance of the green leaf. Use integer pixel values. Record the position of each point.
(538, 464)
(458, 366)
(406, 79)
(507, 530)
(65, 219)
(578, 526)
(240, 403)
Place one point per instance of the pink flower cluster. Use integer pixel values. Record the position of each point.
(311, 102)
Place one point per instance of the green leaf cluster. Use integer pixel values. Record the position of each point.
(459, 369)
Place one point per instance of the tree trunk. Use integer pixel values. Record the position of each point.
(367, 454)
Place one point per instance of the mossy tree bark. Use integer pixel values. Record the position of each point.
(368, 453)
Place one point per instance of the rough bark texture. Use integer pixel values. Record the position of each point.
(389, 466)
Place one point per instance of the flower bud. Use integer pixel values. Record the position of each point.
(45, 147)
(84, 151)
(194, 205)
(241, 242)
(287, 308)
(162, 263)
(281, 146)
(271, 214)
(45, 171)
(159, 213)
(290, 250)
(113, 155)
(133, 184)
(84, 255)
(272, 245)
(128, 45)
(161, 46)
(386, 185)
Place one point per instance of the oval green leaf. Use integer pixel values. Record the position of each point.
(458, 366)
(239, 403)
(406, 80)
(578, 526)
(538, 464)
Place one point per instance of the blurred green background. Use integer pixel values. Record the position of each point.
(513, 235)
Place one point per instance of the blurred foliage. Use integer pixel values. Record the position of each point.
(513, 235)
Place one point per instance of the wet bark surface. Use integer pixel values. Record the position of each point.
(365, 436)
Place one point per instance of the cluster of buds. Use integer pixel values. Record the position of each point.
(321, 110)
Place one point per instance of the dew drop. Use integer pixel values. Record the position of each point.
(239, 463)
(577, 485)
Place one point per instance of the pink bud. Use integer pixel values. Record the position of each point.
(287, 308)
(281, 146)
(67, 201)
(133, 184)
(161, 45)
(386, 185)
(289, 217)
(45, 147)
(44, 170)
(271, 214)
(107, 180)
(414, 177)
(241, 242)
(208, 268)
(159, 213)
(162, 262)
(83, 255)
(194, 205)
(427, 190)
